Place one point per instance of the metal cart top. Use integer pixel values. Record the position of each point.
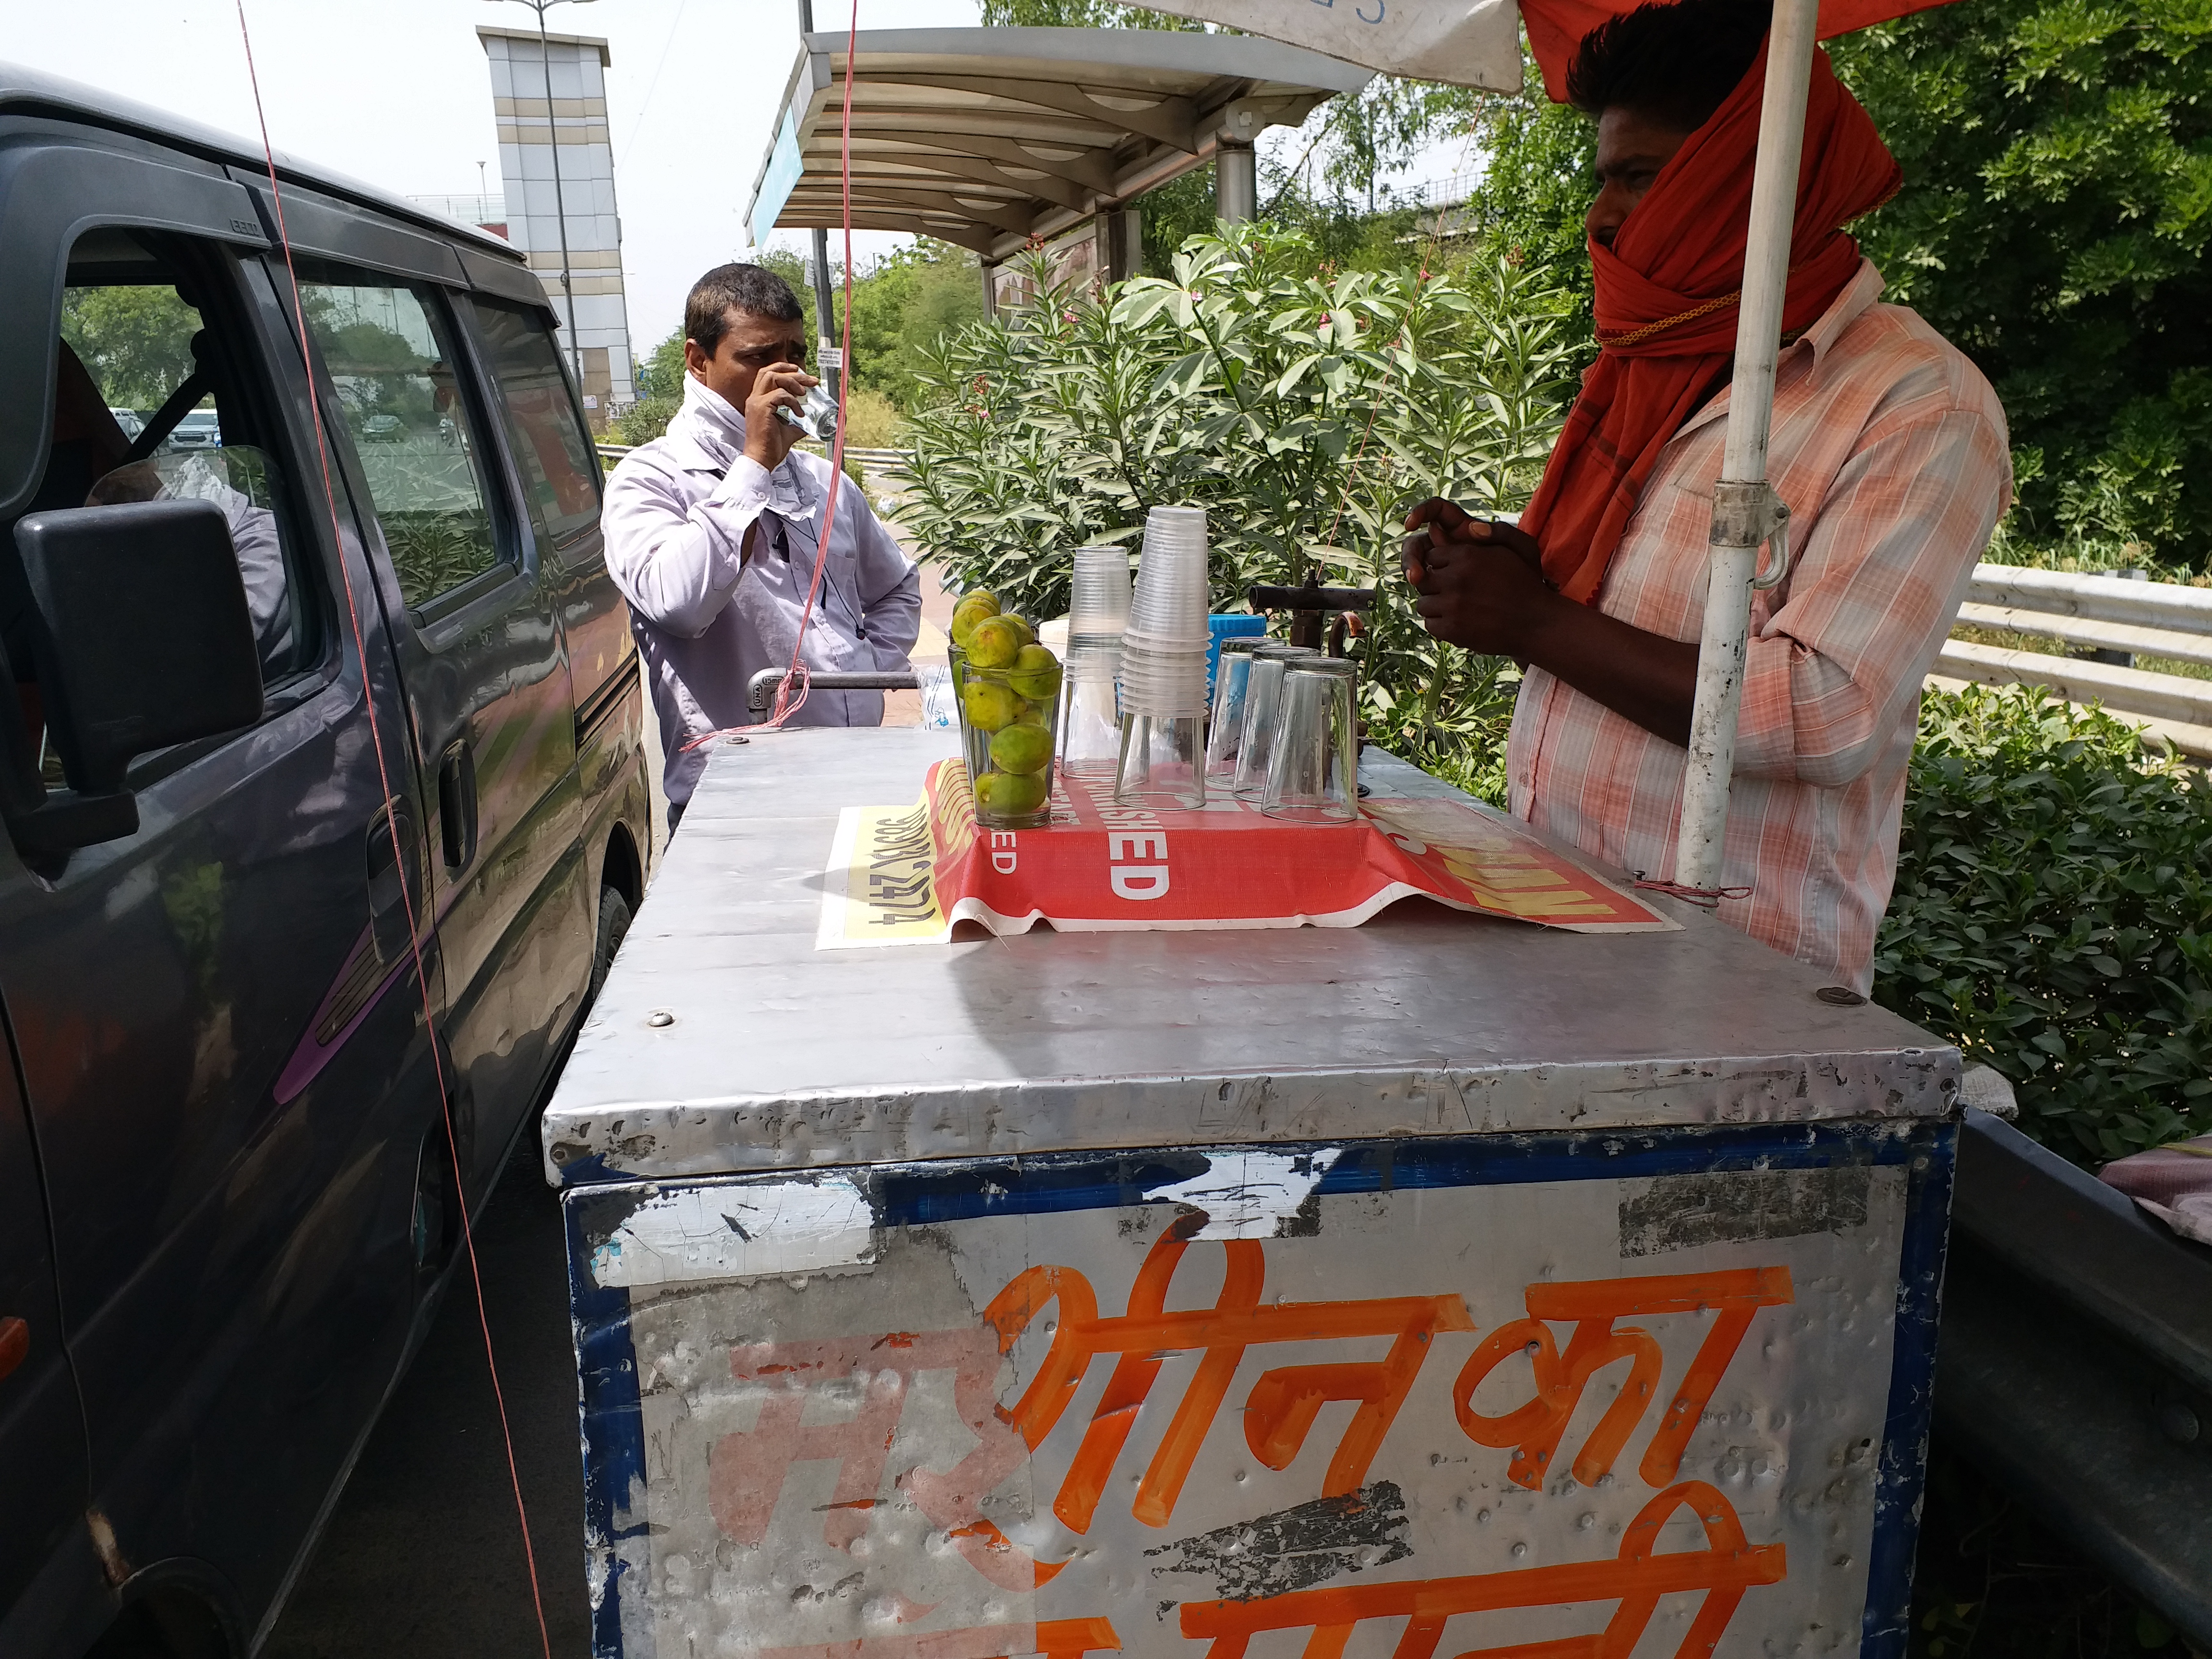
(724, 1041)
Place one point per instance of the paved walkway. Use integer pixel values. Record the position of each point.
(423, 1556)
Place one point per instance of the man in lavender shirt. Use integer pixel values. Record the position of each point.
(712, 533)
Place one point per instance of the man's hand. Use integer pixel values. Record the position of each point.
(769, 436)
(1481, 583)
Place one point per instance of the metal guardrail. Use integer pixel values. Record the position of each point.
(2077, 1364)
(2114, 617)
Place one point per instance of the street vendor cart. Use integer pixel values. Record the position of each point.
(1442, 1285)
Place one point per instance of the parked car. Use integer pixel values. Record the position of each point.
(128, 420)
(320, 794)
(199, 428)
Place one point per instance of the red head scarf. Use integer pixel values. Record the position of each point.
(1667, 293)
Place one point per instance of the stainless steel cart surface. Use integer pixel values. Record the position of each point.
(1440, 1287)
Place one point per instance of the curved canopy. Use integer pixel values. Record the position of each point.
(989, 138)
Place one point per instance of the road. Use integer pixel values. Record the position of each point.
(424, 1556)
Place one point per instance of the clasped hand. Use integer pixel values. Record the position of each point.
(1481, 582)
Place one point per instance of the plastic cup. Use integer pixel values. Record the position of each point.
(1225, 727)
(1163, 682)
(1313, 765)
(1263, 688)
(1098, 599)
(1091, 713)
(1169, 607)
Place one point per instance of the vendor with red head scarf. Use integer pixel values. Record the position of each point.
(1889, 447)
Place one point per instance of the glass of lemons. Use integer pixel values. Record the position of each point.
(1008, 688)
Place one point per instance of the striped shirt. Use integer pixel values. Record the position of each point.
(1890, 449)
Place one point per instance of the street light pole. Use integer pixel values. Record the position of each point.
(560, 200)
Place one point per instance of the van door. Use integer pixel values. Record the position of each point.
(41, 1431)
(486, 670)
(222, 1034)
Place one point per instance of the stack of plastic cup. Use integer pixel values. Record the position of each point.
(1097, 614)
(1163, 652)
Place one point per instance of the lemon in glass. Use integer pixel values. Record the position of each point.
(1035, 672)
(989, 705)
(994, 642)
(1010, 792)
(1020, 748)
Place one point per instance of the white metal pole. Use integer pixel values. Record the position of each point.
(1740, 516)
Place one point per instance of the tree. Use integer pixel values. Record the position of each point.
(2057, 157)
(136, 341)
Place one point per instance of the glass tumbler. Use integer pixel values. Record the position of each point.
(1162, 762)
(1263, 685)
(1313, 768)
(1224, 729)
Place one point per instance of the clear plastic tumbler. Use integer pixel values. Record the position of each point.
(1224, 728)
(1263, 685)
(1313, 768)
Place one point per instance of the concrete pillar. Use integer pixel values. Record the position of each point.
(1235, 182)
(1128, 242)
(990, 289)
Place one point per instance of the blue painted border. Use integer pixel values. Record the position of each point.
(920, 1194)
(608, 1413)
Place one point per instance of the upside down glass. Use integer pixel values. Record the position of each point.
(1224, 727)
(1263, 684)
(1313, 768)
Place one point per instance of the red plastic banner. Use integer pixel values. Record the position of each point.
(904, 875)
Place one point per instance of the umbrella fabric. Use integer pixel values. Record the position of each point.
(1667, 294)
(1556, 28)
(1473, 43)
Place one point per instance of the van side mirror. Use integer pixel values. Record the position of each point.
(141, 639)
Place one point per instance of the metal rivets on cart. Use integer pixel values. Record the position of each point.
(659, 1017)
(1841, 996)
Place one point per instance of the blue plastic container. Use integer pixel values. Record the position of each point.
(1230, 625)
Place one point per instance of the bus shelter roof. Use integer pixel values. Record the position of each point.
(992, 138)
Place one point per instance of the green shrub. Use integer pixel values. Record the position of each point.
(2053, 917)
(647, 418)
(871, 420)
(1304, 410)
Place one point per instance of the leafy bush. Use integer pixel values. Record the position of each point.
(2053, 917)
(871, 420)
(1304, 411)
(647, 419)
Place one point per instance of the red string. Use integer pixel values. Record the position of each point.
(1707, 897)
(391, 820)
(787, 705)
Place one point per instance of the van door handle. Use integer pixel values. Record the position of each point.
(390, 907)
(457, 804)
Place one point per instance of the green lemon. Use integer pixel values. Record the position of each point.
(982, 596)
(1022, 749)
(966, 614)
(989, 705)
(1009, 793)
(1034, 673)
(993, 643)
(1021, 626)
(1030, 715)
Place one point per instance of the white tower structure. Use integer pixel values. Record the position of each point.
(557, 164)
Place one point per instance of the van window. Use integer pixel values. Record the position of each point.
(390, 353)
(552, 446)
(157, 395)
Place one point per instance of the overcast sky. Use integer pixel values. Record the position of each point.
(396, 93)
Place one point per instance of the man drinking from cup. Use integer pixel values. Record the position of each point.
(713, 531)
